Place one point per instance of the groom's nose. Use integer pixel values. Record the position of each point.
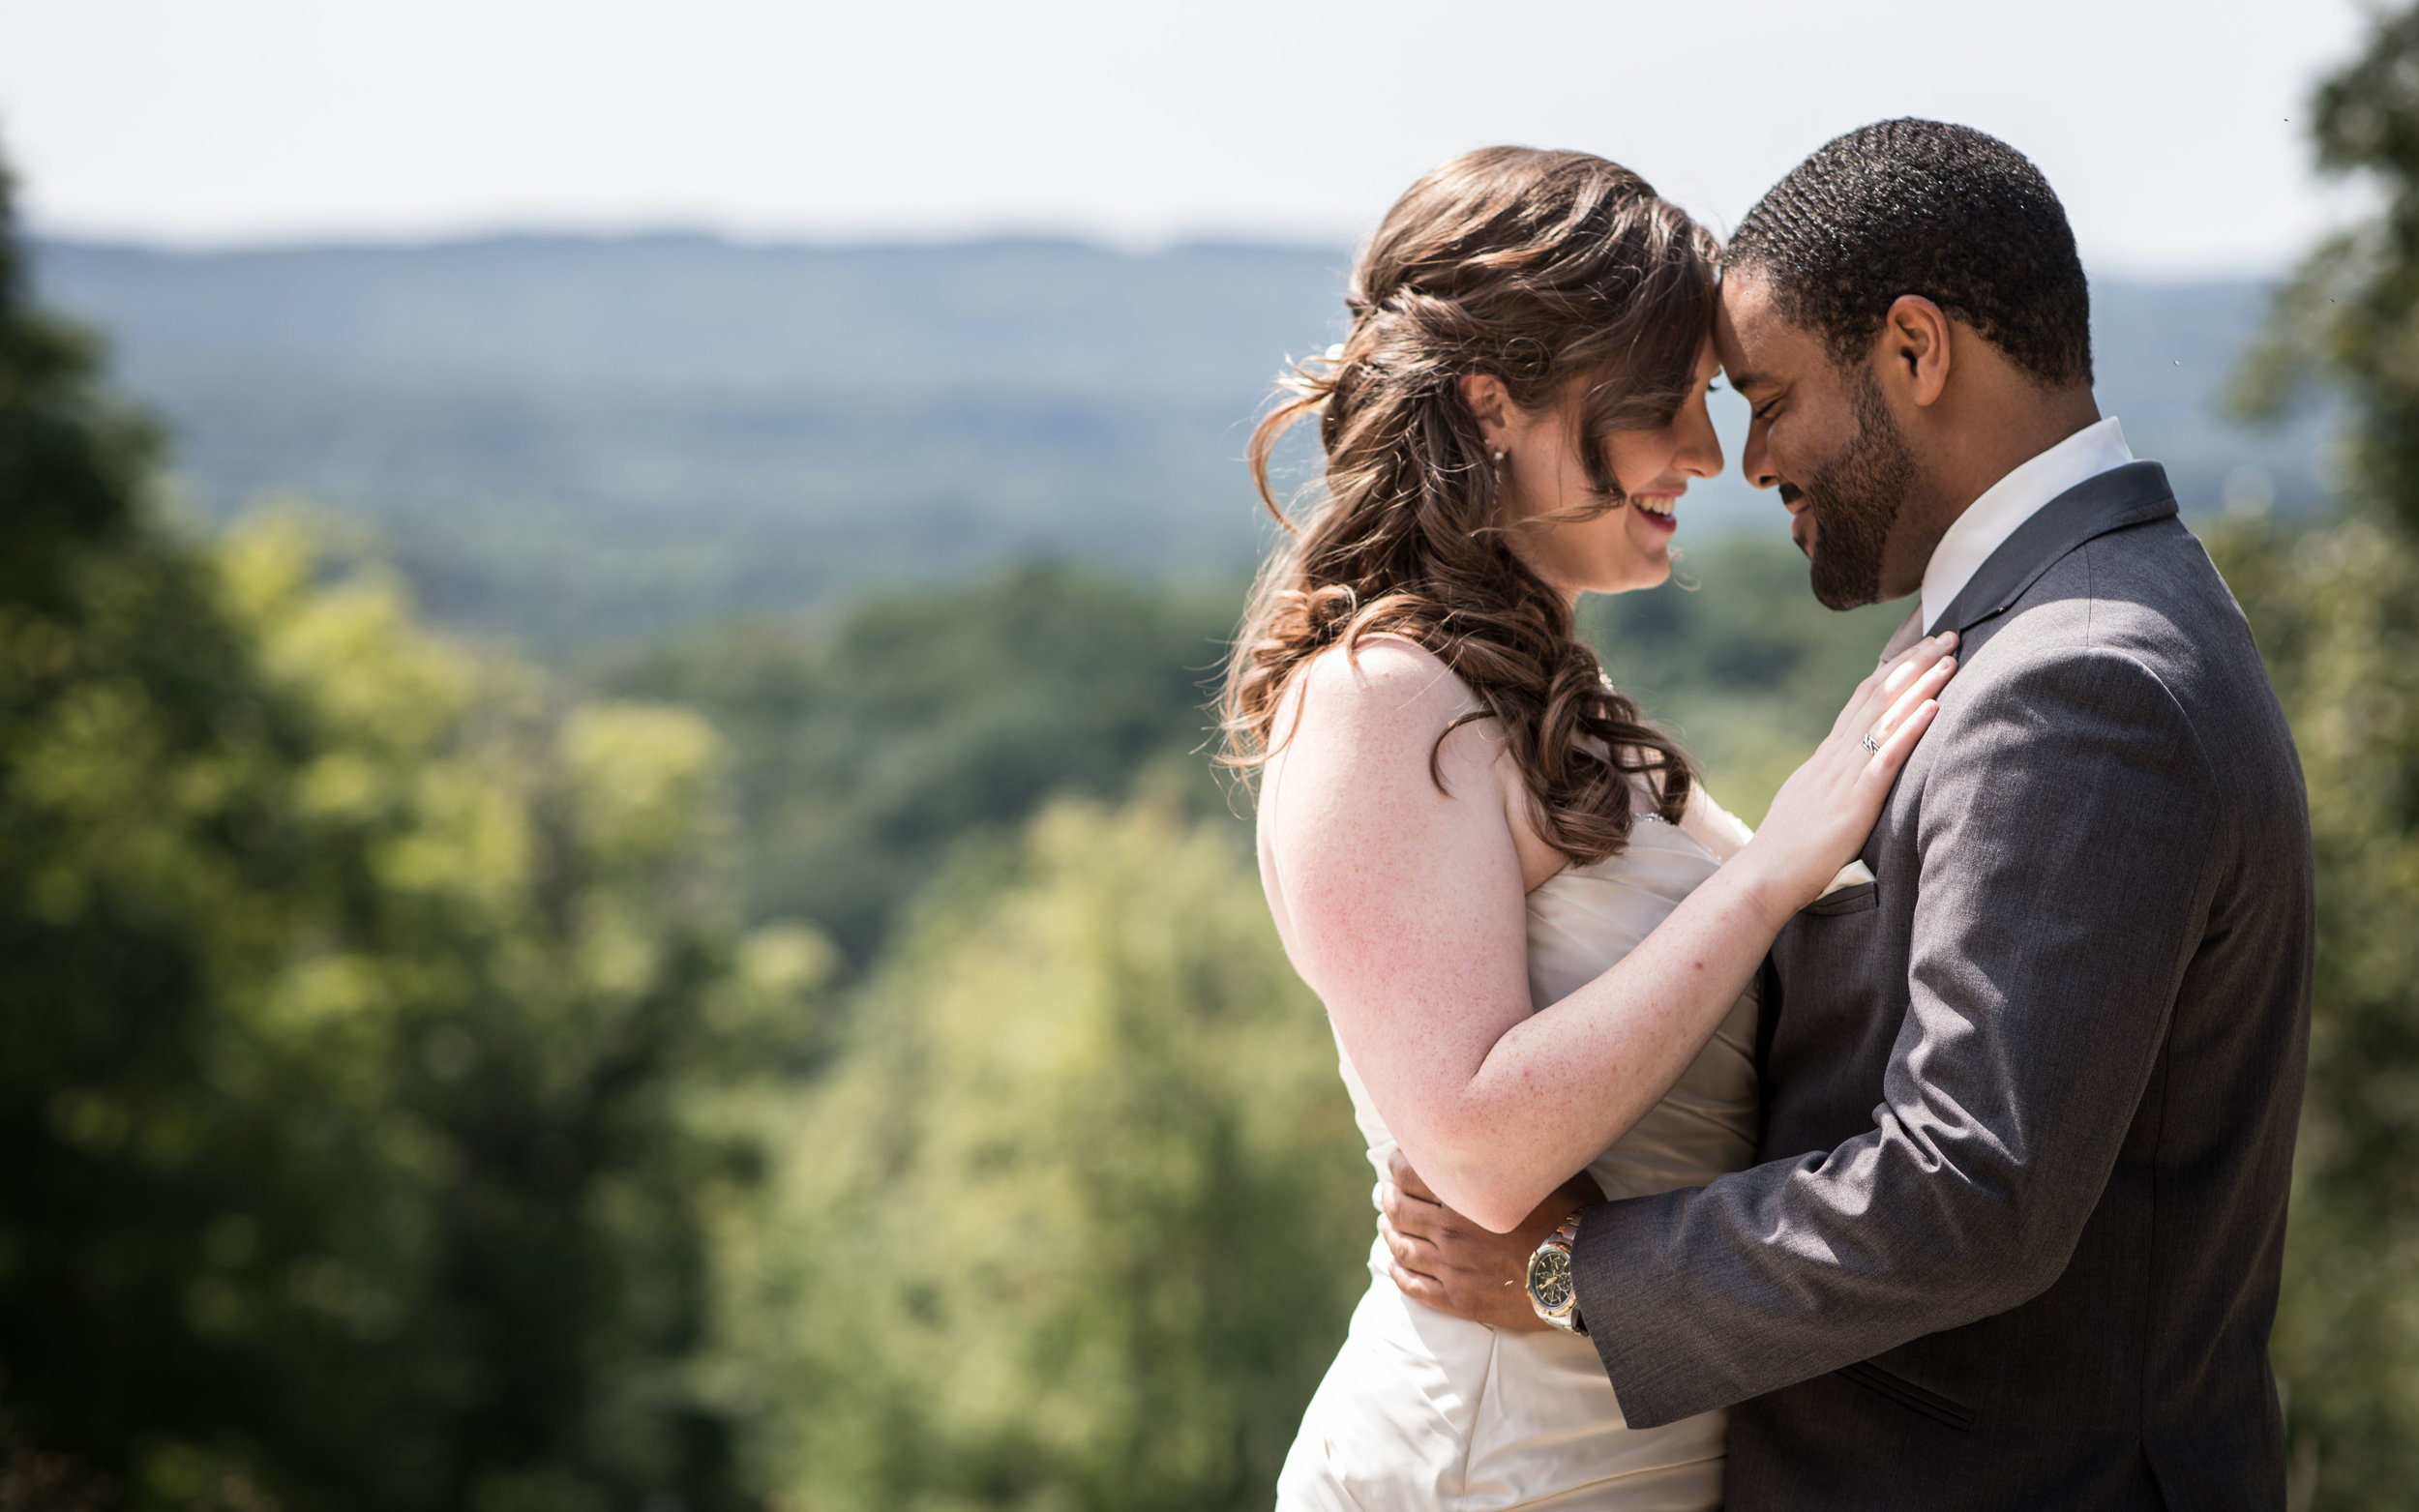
(1755, 458)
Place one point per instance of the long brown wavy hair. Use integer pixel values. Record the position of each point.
(1569, 279)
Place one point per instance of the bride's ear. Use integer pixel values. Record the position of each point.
(1489, 404)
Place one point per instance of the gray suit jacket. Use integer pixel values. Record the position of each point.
(2031, 1095)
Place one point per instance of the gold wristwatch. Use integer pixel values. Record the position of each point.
(1552, 1288)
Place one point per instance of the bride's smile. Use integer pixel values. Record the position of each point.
(1576, 537)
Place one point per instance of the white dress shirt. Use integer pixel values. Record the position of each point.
(1988, 522)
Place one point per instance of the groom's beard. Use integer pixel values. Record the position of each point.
(1855, 498)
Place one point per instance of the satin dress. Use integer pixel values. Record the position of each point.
(1422, 1410)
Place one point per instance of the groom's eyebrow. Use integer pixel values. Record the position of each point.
(1742, 381)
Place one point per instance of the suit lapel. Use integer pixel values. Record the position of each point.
(2133, 495)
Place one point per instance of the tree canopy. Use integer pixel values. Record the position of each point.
(2336, 612)
(354, 993)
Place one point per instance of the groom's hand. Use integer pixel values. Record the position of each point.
(1444, 1260)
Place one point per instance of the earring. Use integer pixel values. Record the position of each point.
(1499, 458)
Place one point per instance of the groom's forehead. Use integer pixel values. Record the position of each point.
(1752, 334)
(1748, 303)
(1741, 333)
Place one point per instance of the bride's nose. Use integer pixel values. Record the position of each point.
(1700, 450)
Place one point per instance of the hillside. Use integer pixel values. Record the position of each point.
(578, 441)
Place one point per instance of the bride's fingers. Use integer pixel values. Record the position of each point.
(1927, 686)
(1899, 673)
(1915, 661)
(1858, 700)
(1882, 699)
(1924, 680)
(1887, 683)
(1901, 745)
(1930, 648)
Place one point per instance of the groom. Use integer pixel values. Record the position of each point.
(2031, 1094)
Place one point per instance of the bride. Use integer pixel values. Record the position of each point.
(1535, 933)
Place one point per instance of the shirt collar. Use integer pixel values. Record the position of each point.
(2014, 500)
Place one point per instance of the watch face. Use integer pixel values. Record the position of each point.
(1549, 1280)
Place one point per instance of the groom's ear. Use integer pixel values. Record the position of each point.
(1916, 348)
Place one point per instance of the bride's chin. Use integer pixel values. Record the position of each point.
(1655, 570)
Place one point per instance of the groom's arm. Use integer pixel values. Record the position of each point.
(2066, 832)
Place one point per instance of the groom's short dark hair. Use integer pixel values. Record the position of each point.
(1923, 207)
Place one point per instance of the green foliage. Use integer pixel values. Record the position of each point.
(2336, 612)
(863, 753)
(1077, 1222)
(356, 1002)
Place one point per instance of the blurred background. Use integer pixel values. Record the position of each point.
(610, 889)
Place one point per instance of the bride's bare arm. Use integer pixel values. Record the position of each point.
(1403, 901)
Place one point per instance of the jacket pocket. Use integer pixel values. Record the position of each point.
(1847, 900)
(1907, 1394)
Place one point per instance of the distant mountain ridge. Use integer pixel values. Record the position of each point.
(573, 439)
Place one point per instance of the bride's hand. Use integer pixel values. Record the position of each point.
(1820, 818)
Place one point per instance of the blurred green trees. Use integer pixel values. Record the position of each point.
(353, 996)
(864, 751)
(1077, 1221)
(2337, 611)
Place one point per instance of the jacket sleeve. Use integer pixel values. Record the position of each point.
(2065, 828)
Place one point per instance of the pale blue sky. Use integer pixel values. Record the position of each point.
(2164, 123)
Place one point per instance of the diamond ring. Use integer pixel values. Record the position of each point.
(1868, 741)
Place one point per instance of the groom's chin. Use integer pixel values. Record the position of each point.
(1836, 589)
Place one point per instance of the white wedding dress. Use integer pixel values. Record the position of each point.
(1425, 1410)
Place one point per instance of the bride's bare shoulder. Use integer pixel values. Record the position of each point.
(1375, 733)
(1384, 685)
